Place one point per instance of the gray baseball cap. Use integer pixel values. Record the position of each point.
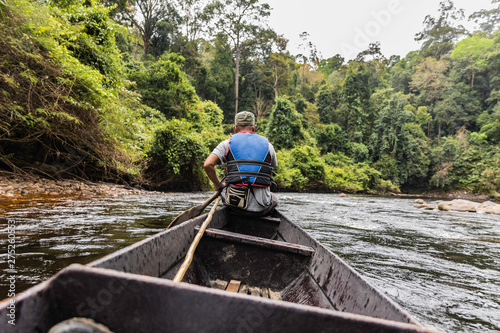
(244, 118)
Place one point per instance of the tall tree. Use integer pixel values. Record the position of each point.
(440, 33)
(239, 20)
(430, 81)
(153, 18)
(470, 56)
(355, 95)
(328, 66)
(309, 53)
(279, 70)
(488, 20)
(194, 18)
(373, 51)
(220, 78)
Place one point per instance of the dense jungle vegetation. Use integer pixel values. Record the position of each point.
(141, 91)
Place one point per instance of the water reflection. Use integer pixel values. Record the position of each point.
(443, 267)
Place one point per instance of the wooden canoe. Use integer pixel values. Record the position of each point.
(248, 275)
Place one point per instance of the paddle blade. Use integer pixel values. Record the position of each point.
(192, 212)
(187, 215)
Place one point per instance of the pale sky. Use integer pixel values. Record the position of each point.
(349, 26)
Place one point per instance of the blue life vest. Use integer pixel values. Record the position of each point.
(249, 160)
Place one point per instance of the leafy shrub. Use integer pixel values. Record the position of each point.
(93, 39)
(476, 169)
(492, 131)
(309, 162)
(176, 157)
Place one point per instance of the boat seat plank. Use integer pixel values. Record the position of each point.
(274, 295)
(219, 284)
(238, 287)
(258, 241)
(255, 291)
(233, 286)
(243, 289)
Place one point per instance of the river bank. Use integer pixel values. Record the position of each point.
(17, 186)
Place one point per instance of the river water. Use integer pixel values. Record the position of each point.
(442, 267)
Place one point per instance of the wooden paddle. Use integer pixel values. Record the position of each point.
(190, 254)
(193, 211)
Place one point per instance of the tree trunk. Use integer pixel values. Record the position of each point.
(303, 72)
(237, 79)
(145, 40)
(276, 78)
(439, 132)
(472, 80)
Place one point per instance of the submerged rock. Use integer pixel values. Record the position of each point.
(424, 206)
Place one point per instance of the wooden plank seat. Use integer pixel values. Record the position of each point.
(237, 286)
(258, 241)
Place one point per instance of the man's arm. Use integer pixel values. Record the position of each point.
(209, 166)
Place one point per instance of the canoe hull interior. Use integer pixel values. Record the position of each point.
(273, 256)
(133, 303)
(326, 281)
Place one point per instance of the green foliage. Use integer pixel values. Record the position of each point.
(331, 138)
(219, 84)
(471, 56)
(327, 101)
(440, 32)
(308, 161)
(356, 94)
(176, 156)
(305, 169)
(92, 38)
(492, 131)
(165, 87)
(476, 169)
(398, 144)
(328, 66)
(359, 152)
(284, 128)
(443, 156)
(300, 168)
(429, 119)
(53, 105)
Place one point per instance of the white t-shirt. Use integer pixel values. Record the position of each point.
(261, 197)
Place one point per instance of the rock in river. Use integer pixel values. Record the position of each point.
(470, 206)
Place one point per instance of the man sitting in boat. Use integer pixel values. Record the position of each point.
(250, 160)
